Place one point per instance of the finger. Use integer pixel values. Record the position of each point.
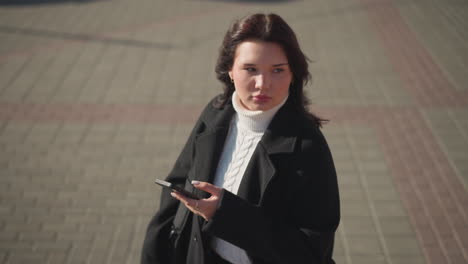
(207, 187)
(193, 205)
(181, 197)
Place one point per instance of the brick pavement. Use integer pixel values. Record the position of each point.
(97, 98)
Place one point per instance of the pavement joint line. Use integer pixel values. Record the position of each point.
(95, 64)
(457, 124)
(346, 246)
(16, 74)
(407, 66)
(433, 228)
(370, 204)
(70, 67)
(101, 98)
(65, 39)
(84, 38)
(372, 118)
(417, 191)
(49, 62)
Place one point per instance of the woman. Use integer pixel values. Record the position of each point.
(258, 159)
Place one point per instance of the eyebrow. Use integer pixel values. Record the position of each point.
(274, 65)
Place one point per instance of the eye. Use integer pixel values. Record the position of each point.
(278, 70)
(250, 69)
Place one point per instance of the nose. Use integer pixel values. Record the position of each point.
(262, 82)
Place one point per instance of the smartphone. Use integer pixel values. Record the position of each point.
(176, 188)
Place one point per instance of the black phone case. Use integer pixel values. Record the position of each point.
(176, 188)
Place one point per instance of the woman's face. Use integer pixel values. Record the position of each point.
(261, 74)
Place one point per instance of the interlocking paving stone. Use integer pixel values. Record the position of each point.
(449, 125)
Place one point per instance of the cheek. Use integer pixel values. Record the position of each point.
(282, 84)
(243, 82)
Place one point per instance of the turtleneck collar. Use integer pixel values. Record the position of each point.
(255, 121)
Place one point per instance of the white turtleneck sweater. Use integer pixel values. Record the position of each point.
(246, 129)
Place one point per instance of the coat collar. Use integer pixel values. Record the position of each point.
(280, 137)
(209, 144)
(281, 134)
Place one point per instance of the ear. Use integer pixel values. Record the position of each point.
(230, 74)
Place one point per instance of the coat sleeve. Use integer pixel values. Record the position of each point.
(306, 233)
(156, 246)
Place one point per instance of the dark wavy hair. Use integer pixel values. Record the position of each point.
(268, 28)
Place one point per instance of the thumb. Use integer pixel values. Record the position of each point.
(207, 187)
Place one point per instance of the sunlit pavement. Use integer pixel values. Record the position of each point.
(97, 99)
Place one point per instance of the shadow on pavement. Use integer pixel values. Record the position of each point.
(41, 2)
(84, 37)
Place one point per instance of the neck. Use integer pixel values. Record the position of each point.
(256, 121)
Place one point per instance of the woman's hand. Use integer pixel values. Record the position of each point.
(205, 208)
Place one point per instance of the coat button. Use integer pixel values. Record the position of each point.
(195, 239)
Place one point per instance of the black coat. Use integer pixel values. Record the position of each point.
(286, 209)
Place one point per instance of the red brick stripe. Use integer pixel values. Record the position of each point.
(434, 198)
(421, 75)
(96, 113)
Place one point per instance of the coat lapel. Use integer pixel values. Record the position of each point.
(209, 145)
(208, 149)
(261, 169)
(279, 139)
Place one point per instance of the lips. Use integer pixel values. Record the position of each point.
(262, 97)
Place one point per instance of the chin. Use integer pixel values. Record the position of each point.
(260, 107)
